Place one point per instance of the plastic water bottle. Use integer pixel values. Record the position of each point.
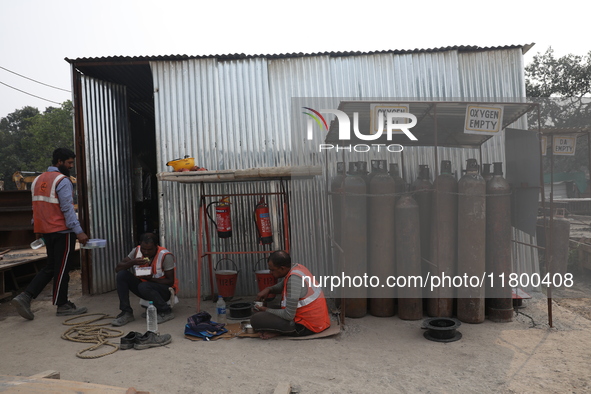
(221, 310)
(37, 243)
(152, 318)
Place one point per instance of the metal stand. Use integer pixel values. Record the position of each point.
(205, 250)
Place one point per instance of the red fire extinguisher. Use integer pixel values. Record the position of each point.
(223, 221)
(263, 222)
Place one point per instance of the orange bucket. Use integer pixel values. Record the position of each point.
(226, 280)
(264, 278)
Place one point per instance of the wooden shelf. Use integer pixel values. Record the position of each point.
(250, 174)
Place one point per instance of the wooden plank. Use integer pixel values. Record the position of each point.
(249, 174)
(50, 374)
(283, 388)
(30, 385)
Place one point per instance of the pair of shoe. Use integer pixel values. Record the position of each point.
(122, 319)
(138, 341)
(22, 303)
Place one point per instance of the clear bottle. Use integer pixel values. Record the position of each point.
(152, 318)
(221, 310)
(37, 243)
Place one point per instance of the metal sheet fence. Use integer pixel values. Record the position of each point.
(240, 114)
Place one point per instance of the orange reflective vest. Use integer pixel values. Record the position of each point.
(156, 265)
(47, 214)
(312, 311)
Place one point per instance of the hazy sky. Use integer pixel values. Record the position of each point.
(36, 35)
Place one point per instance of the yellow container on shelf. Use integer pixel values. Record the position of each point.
(179, 164)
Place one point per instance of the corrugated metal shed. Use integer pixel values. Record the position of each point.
(238, 111)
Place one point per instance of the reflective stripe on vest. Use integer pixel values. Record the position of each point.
(157, 271)
(311, 311)
(316, 291)
(52, 197)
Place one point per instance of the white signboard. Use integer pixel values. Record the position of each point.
(564, 145)
(376, 109)
(544, 146)
(483, 119)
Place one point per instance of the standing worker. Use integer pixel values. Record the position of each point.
(54, 218)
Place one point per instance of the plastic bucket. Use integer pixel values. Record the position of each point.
(226, 280)
(264, 278)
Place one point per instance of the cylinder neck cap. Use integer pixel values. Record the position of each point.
(394, 169)
(498, 168)
(445, 166)
(424, 171)
(472, 166)
(378, 166)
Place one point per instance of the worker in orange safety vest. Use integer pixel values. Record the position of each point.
(303, 309)
(55, 220)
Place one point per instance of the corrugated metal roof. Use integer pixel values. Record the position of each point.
(236, 56)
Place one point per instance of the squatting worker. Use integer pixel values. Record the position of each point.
(303, 306)
(152, 286)
(54, 218)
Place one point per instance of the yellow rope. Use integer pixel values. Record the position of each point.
(84, 331)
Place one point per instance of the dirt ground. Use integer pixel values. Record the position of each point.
(370, 355)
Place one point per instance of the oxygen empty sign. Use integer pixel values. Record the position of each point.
(483, 119)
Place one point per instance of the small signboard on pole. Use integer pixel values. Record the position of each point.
(384, 109)
(564, 145)
(483, 119)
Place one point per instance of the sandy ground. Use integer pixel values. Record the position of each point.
(370, 355)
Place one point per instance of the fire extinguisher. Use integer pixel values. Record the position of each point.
(263, 222)
(223, 221)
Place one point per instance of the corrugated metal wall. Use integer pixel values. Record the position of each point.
(108, 162)
(242, 113)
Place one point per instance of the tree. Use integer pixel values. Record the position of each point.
(28, 138)
(562, 86)
(53, 129)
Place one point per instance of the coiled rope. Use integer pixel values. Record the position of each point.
(84, 331)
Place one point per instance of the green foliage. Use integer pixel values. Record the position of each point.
(28, 138)
(562, 86)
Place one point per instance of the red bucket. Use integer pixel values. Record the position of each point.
(226, 280)
(264, 278)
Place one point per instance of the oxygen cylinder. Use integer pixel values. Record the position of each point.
(362, 170)
(471, 243)
(444, 230)
(499, 301)
(423, 194)
(375, 169)
(381, 228)
(354, 237)
(336, 188)
(408, 258)
(395, 174)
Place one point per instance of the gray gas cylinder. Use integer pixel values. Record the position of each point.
(408, 258)
(354, 236)
(499, 300)
(444, 233)
(471, 243)
(381, 229)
